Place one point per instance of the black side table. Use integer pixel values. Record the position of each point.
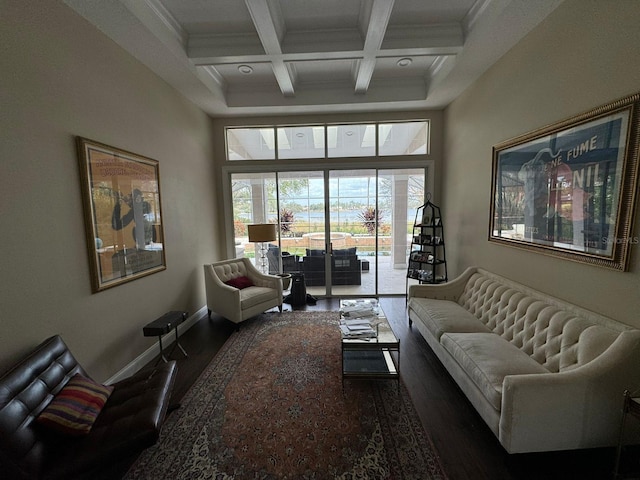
(162, 326)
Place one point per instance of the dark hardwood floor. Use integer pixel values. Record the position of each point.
(467, 448)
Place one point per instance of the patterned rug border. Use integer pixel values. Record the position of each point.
(198, 463)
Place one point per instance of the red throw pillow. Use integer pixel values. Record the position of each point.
(75, 408)
(240, 282)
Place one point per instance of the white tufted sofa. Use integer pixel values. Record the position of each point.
(235, 304)
(542, 373)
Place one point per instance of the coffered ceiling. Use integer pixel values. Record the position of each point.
(259, 57)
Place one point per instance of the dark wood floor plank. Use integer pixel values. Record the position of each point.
(467, 447)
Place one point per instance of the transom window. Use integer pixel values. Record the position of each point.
(328, 141)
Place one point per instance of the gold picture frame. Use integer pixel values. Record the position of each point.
(123, 216)
(569, 189)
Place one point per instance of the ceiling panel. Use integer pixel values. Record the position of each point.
(320, 15)
(403, 67)
(305, 56)
(425, 12)
(324, 71)
(239, 74)
(207, 16)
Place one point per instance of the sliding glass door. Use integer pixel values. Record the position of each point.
(347, 231)
(351, 212)
(371, 213)
(400, 193)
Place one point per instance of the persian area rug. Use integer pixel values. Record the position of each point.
(271, 405)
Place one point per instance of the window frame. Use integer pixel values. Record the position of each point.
(325, 126)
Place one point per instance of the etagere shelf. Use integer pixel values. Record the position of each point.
(427, 259)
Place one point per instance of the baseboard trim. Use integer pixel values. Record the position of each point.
(150, 353)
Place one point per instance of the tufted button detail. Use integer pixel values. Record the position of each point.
(550, 334)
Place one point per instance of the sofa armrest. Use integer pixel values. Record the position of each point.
(443, 291)
(263, 280)
(557, 411)
(221, 298)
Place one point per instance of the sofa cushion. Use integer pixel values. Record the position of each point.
(76, 407)
(345, 252)
(487, 359)
(442, 316)
(239, 282)
(252, 296)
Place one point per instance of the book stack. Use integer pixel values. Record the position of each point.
(361, 310)
(357, 328)
(356, 320)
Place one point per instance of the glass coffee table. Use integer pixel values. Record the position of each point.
(368, 353)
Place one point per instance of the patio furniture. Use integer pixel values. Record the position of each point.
(290, 263)
(346, 268)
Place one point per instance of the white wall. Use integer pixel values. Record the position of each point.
(60, 78)
(582, 56)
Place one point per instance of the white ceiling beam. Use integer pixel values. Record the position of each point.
(202, 46)
(380, 91)
(422, 36)
(376, 28)
(302, 57)
(327, 44)
(267, 18)
(322, 41)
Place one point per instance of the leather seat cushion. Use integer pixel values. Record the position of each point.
(129, 422)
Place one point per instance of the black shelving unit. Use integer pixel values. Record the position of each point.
(427, 260)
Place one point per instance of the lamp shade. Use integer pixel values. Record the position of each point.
(262, 232)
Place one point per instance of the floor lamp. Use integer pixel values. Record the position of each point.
(261, 233)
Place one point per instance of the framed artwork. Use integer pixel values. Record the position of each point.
(123, 216)
(569, 189)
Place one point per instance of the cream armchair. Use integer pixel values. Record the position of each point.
(238, 304)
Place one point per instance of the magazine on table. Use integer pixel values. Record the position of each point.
(359, 309)
(358, 312)
(357, 328)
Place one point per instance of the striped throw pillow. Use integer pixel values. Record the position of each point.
(75, 408)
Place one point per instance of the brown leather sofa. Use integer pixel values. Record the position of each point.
(129, 422)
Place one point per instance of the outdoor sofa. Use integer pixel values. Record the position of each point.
(346, 268)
